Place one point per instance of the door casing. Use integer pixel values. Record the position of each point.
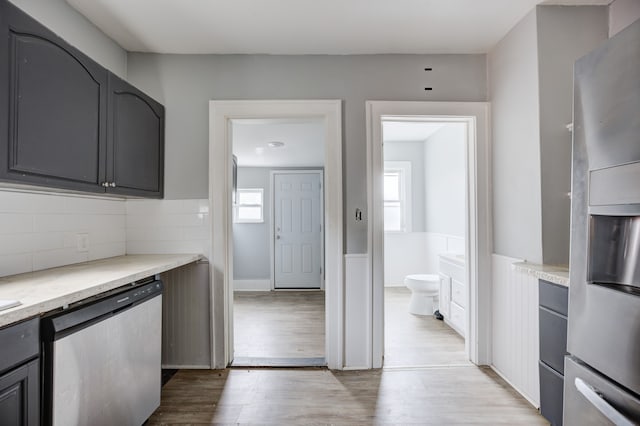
(478, 227)
(221, 113)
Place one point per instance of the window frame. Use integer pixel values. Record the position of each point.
(238, 205)
(403, 169)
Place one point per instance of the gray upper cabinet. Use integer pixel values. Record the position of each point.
(68, 123)
(54, 100)
(136, 141)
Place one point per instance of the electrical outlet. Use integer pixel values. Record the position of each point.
(82, 242)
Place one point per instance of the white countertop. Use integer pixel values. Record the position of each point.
(49, 289)
(555, 274)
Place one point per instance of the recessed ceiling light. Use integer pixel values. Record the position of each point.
(275, 144)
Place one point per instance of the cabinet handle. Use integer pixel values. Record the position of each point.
(113, 184)
(105, 184)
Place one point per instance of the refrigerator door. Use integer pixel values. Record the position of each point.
(591, 399)
(604, 300)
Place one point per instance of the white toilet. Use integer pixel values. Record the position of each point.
(424, 293)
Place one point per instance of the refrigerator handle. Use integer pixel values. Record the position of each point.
(594, 397)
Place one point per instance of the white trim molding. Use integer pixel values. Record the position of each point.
(221, 114)
(251, 285)
(478, 224)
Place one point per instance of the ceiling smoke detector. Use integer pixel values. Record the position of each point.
(275, 144)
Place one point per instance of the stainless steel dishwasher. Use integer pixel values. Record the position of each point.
(101, 359)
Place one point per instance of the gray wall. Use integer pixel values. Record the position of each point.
(445, 176)
(513, 82)
(251, 255)
(565, 33)
(414, 153)
(531, 90)
(66, 22)
(186, 83)
(621, 14)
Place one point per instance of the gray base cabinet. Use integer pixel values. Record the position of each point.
(554, 300)
(66, 122)
(20, 374)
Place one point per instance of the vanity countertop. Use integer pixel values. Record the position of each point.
(456, 258)
(43, 291)
(555, 274)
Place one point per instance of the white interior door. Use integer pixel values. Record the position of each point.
(298, 229)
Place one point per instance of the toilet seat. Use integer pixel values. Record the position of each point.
(423, 281)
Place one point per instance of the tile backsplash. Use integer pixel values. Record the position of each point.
(168, 226)
(45, 230)
(39, 231)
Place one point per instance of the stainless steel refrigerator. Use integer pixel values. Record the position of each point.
(602, 370)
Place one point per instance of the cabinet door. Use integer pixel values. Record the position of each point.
(53, 100)
(444, 301)
(136, 141)
(19, 396)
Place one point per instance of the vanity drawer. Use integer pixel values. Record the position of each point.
(458, 294)
(457, 317)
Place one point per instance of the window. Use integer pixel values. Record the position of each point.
(249, 208)
(397, 202)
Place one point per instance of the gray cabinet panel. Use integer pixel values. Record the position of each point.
(551, 394)
(553, 339)
(18, 343)
(553, 347)
(20, 374)
(136, 141)
(186, 322)
(554, 297)
(19, 396)
(56, 100)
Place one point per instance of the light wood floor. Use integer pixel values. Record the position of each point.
(451, 391)
(419, 396)
(290, 324)
(416, 340)
(280, 324)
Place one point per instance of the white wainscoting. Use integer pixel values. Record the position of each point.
(358, 324)
(415, 253)
(252, 285)
(515, 350)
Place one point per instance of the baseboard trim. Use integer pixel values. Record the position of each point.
(252, 285)
(186, 367)
(536, 406)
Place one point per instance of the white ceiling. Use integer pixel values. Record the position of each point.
(303, 142)
(307, 26)
(409, 131)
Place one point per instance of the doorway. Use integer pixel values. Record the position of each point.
(222, 114)
(277, 240)
(477, 244)
(424, 228)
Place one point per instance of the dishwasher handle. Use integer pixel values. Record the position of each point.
(596, 399)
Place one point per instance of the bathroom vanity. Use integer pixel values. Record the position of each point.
(453, 291)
